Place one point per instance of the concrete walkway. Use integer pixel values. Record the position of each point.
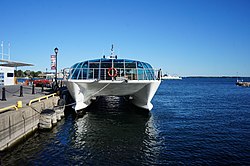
(12, 93)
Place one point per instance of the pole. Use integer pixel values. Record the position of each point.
(9, 51)
(21, 91)
(2, 49)
(42, 87)
(33, 89)
(3, 94)
(56, 71)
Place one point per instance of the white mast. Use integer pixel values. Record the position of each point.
(112, 56)
(9, 51)
(2, 49)
(8, 55)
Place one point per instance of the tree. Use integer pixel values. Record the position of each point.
(19, 73)
(37, 73)
(28, 73)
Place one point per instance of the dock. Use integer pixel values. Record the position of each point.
(12, 94)
(21, 112)
(241, 83)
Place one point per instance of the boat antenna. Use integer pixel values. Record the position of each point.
(112, 49)
(113, 56)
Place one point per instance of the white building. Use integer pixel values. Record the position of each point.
(6, 75)
(7, 67)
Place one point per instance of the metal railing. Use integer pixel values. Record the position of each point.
(111, 74)
(8, 108)
(41, 98)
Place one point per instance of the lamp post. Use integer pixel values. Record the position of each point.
(56, 51)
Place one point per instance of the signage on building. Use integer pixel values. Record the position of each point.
(1, 78)
(53, 62)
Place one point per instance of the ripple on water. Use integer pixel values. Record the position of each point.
(193, 122)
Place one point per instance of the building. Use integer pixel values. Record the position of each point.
(6, 75)
(7, 68)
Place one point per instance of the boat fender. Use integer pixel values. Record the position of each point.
(61, 102)
(114, 73)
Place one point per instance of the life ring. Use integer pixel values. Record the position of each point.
(114, 73)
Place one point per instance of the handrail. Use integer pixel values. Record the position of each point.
(9, 107)
(41, 98)
(102, 73)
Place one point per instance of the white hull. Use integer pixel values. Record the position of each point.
(141, 91)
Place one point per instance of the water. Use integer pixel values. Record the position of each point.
(195, 121)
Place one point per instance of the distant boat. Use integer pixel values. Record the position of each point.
(170, 77)
(242, 83)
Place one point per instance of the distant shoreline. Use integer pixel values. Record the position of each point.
(214, 77)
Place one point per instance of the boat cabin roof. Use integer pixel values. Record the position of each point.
(112, 69)
(118, 63)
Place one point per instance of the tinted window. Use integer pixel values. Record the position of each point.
(10, 74)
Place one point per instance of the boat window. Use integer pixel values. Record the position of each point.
(106, 65)
(98, 69)
(119, 64)
(79, 71)
(74, 66)
(140, 74)
(93, 73)
(83, 71)
(139, 65)
(106, 61)
(94, 60)
(148, 66)
(130, 64)
(149, 73)
(82, 74)
(75, 72)
(119, 60)
(80, 65)
(85, 65)
(94, 65)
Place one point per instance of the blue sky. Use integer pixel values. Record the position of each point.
(184, 37)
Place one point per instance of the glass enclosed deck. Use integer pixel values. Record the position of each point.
(112, 69)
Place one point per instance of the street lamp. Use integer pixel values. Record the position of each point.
(56, 51)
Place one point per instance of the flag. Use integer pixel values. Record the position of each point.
(53, 62)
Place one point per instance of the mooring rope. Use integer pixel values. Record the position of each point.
(34, 109)
(70, 104)
(101, 89)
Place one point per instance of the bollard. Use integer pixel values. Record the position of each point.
(19, 104)
(21, 91)
(42, 87)
(33, 89)
(3, 94)
(61, 83)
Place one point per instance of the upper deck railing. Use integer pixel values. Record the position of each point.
(112, 74)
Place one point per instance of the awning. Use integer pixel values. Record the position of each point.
(8, 63)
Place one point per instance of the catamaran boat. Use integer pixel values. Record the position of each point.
(134, 79)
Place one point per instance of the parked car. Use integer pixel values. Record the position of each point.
(40, 82)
